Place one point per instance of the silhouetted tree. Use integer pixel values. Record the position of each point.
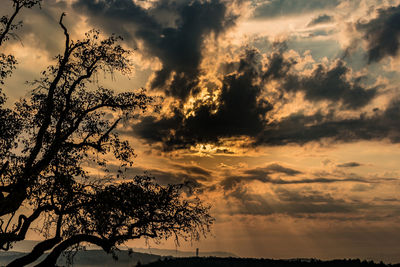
(49, 138)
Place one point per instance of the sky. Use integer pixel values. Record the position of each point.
(284, 114)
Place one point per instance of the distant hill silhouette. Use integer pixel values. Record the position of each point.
(249, 262)
(27, 246)
(181, 254)
(24, 246)
(98, 258)
(93, 258)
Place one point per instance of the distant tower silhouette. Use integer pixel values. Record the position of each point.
(197, 252)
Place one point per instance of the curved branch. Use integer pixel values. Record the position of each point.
(39, 249)
(51, 259)
(65, 30)
(22, 228)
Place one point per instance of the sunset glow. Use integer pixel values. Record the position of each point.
(283, 114)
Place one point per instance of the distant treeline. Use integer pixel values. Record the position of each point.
(243, 262)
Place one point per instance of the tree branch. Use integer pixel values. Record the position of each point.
(35, 254)
(22, 227)
(49, 104)
(51, 259)
(40, 248)
(9, 23)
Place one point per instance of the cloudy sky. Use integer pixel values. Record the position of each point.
(283, 113)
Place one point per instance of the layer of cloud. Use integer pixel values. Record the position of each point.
(321, 19)
(275, 8)
(300, 128)
(349, 165)
(256, 192)
(290, 202)
(331, 84)
(264, 175)
(277, 168)
(196, 170)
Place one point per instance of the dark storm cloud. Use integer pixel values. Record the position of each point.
(155, 130)
(324, 18)
(301, 129)
(240, 111)
(183, 46)
(117, 16)
(349, 165)
(274, 8)
(177, 40)
(382, 34)
(278, 67)
(331, 84)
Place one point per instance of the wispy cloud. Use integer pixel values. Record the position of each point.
(321, 19)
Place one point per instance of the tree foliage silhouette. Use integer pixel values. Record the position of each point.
(49, 138)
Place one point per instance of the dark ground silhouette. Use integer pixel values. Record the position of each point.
(243, 262)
